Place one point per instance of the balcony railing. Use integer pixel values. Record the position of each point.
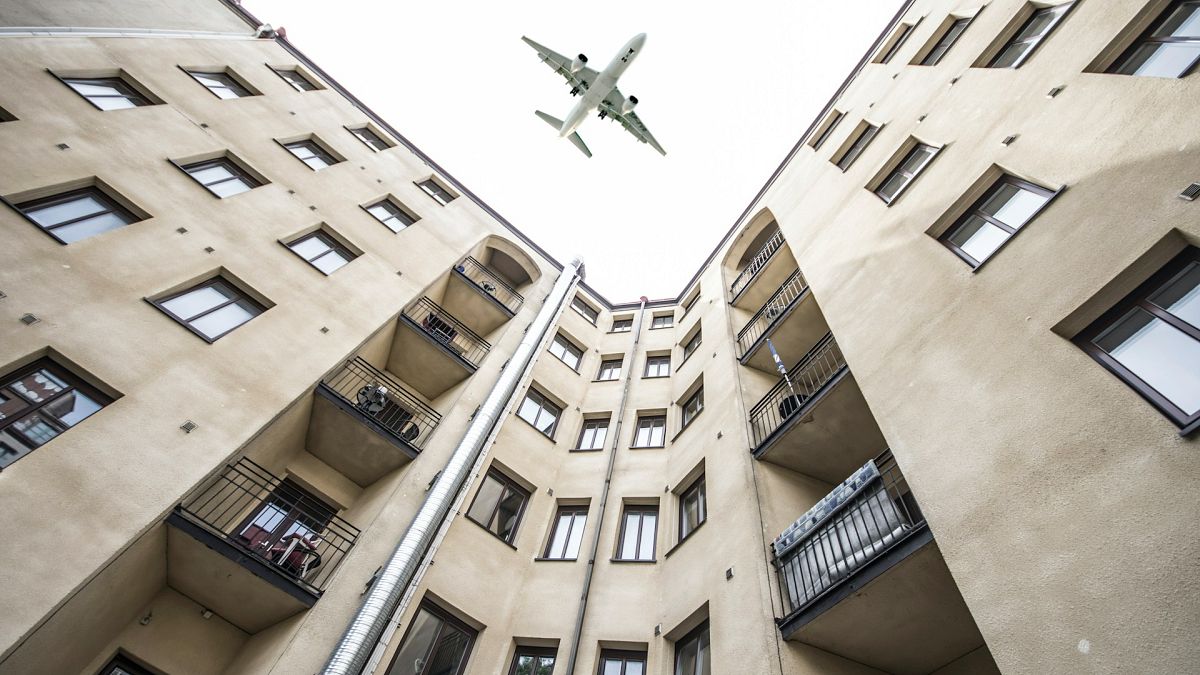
(385, 401)
(868, 514)
(448, 331)
(816, 370)
(755, 265)
(274, 522)
(487, 280)
(771, 311)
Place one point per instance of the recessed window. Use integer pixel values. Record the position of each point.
(391, 215)
(440, 194)
(540, 412)
(621, 662)
(690, 301)
(946, 41)
(692, 344)
(295, 78)
(593, 434)
(1151, 339)
(639, 526)
(370, 138)
(906, 172)
(658, 366)
(1030, 36)
(221, 84)
(651, 431)
(692, 653)
(610, 370)
(37, 403)
(903, 31)
(693, 406)
(662, 321)
(566, 351)
(827, 129)
(78, 214)
(533, 661)
(435, 644)
(122, 665)
(211, 309)
(864, 138)
(693, 508)
(108, 93)
(621, 325)
(222, 177)
(312, 154)
(1170, 48)
(585, 309)
(993, 220)
(569, 523)
(498, 505)
(322, 251)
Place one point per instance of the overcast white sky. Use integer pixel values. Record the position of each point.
(726, 88)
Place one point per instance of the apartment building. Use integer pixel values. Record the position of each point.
(278, 394)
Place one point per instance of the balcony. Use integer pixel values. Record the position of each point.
(790, 318)
(253, 548)
(764, 272)
(366, 424)
(816, 422)
(480, 297)
(861, 576)
(434, 350)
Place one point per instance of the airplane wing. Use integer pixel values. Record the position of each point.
(562, 65)
(612, 105)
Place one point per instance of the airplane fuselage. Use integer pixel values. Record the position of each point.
(605, 82)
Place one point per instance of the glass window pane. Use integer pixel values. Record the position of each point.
(94, 88)
(1181, 295)
(485, 500)
(1011, 55)
(635, 667)
(649, 527)
(112, 102)
(1161, 60)
(611, 667)
(978, 238)
(629, 536)
(39, 386)
(230, 188)
(410, 659)
(316, 162)
(72, 408)
(507, 514)
(330, 262)
(916, 161)
(89, 227)
(545, 666)
(529, 410)
(578, 521)
(1038, 25)
(892, 186)
(211, 174)
(1158, 353)
(1012, 205)
(69, 210)
(687, 660)
(545, 421)
(35, 428)
(216, 324)
(196, 301)
(1184, 21)
(558, 544)
(11, 404)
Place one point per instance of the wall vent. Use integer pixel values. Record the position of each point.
(1189, 193)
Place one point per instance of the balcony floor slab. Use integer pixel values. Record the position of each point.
(352, 443)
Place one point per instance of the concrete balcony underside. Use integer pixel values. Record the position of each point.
(473, 305)
(429, 365)
(762, 285)
(795, 331)
(353, 443)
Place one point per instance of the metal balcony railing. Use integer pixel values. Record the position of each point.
(487, 280)
(822, 363)
(377, 395)
(771, 311)
(273, 521)
(755, 265)
(448, 331)
(869, 513)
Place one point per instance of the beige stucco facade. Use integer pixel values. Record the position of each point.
(1044, 512)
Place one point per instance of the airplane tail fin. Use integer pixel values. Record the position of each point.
(578, 142)
(557, 124)
(552, 121)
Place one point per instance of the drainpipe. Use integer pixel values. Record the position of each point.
(612, 456)
(354, 649)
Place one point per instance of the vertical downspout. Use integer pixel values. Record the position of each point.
(355, 647)
(612, 456)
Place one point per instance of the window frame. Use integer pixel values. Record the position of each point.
(661, 357)
(126, 89)
(585, 310)
(313, 146)
(160, 303)
(606, 364)
(359, 131)
(391, 204)
(95, 192)
(692, 345)
(701, 637)
(62, 373)
(295, 70)
(592, 423)
(858, 146)
(661, 321)
(898, 170)
(566, 346)
(890, 53)
(1139, 298)
(697, 488)
(641, 510)
(637, 428)
(1147, 38)
(537, 653)
(446, 618)
(229, 81)
(335, 246)
(948, 38)
(835, 118)
(226, 162)
(622, 655)
(542, 402)
(125, 663)
(438, 193)
(575, 510)
(507, 485)
(697, 397)
(1035, 44)
(976, 210)
(621, 326)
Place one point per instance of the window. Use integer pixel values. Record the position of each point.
(310, 153)
(435, 644)
(392, 216)
(1031, 34)
(658, 366)
(662, 321)
(499, 505)
(906, 172)
(585, 309)
(440, 194)
(322, 251)
(690, 302)
(946, 42)
(540, 412)
(692, 344)
(39, 402)
(222, 85)
(622, 325)
(122, 665)
(856, 148)
(995, 218)
(639, 526)
(610, 370)
(693, 406)
(834, 117)
(108, 93)
(290, 513)
(651, 432)
(692, 653)
(211, 309)
(78, 214)
(593, 434)
(372, 139)
(222, 177)
(901, 36)
(295, 78)
(693, 509)
(615, 662)
(1170, 48)
(533, 661)
(1151, 339)
(568, 533)
(566, 351)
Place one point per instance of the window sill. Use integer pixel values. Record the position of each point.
(647, 447)
(618, 332)
(585, 450)
(661, 327)
(615, 379)
(1190, 429)
(573, 370)
(494, 535)
(541, 559)
(626, 561)
(540, 432)
(655, 377)
(681, 542)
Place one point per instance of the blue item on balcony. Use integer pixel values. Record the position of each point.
(822, 509)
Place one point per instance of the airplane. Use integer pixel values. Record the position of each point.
(599, 90)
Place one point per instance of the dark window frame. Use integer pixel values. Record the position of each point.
(946, 41)
(575, 510)
(313, 146)
(125, 88)
(585, 310)
(606, 364)
(641, 510)
(624, 656)
(621, 326)
(1147, 38)
(592, 423)
(637, 427)
(890, 54)
(125, 663)
(507, 484)
(446, 618)
(662, 321)
(697, 489)
(159, 303)
(543, 401)
(696, 397)
(692, 345)
(858, 146)
(837, 116)
(436, 191)
(1035, 43)
(329, 240)
(227, 163)
(62, 373)
(312, 86)
(567, 347)
(697, 635)
(537, 653)
(395, 210)
(898, 170)
(976, 210)
(228, 81)
(360, 131)
(93, 191)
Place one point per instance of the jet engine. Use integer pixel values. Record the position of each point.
(629, 104)
(578, 64)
